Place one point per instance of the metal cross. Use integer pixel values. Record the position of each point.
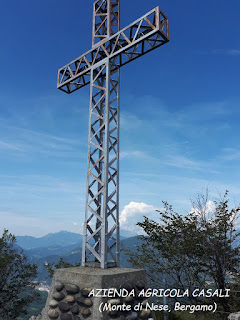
(111, 49)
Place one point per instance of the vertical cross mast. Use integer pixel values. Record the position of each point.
(112, 48)
(106, 19)
(101, 228)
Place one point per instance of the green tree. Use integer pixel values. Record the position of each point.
(196, 250)
(16, 275)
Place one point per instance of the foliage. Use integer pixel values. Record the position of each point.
(51, 267)
(196, 250)
(35, 308)
(16, 275)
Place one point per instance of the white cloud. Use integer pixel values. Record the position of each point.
(132, 154)
(230, 52)
(27, 141)
(231, 154)
(234, 52)
(133, 213)
(14, 222)
(181, 161)
(129, 121)
(3, 213)
(19, 223)
(7, 145)
(210, 206)
(208, 209)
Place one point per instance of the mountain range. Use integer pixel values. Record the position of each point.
(63, 244)
(59, 239)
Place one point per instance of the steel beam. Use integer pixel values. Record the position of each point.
(142, 36)
(101, 228)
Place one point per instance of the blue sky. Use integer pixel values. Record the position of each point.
(179, 113)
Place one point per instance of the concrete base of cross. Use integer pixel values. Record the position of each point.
(87, 293)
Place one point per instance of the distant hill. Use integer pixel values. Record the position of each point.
(127, 234)
(63, 244)
(53, 242)
(74, 256)
(37, 253)
(62, 238)
(41, 256)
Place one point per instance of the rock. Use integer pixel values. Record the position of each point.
(71, 288)
(85, 311)
(70, 299)
(127, 286)
(84, 301)
(80, 300)
(128, 299)
(66, 316)
(132, 316)
(88, 302)
(119, 318)
(58, 296)
(53, 303)
(64, 306)
(112, 312)
(53, 314)
(234, 316)
(145, 314)
(76, 318)
(59, 286)
(114, 301)
(85, 291)
(75, 309)
(145, 302)
(140, 285)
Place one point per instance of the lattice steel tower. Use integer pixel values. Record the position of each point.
(100, 66)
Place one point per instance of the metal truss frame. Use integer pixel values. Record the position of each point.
(142, 36)
(101, 225)
(106, 19)
(111, 49)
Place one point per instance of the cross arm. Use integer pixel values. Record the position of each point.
(138, 38)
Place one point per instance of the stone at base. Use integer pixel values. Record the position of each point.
(70, 299)
(234, 316)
